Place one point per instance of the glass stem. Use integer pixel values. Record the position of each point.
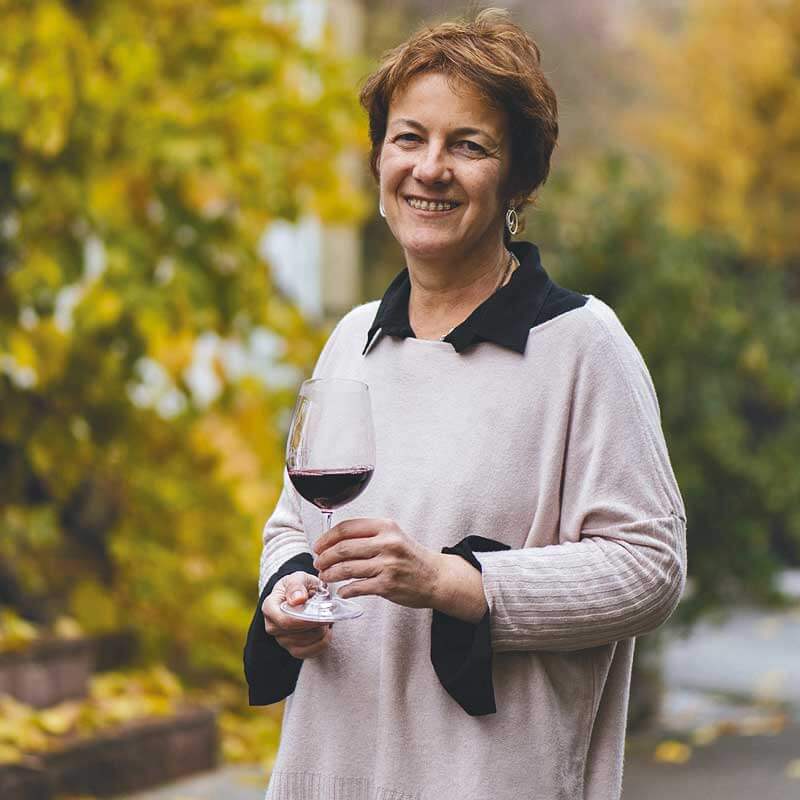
(326, 592)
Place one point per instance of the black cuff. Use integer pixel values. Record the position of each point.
(461, 653)
(271, 672)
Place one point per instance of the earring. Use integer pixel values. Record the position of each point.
(381, 209)
(512, 220)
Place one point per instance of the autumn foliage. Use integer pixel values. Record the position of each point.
(144, 147)
(693, 240)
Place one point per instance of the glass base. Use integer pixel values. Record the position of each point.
(324, 610)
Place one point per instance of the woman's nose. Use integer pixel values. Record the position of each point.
(432, 166)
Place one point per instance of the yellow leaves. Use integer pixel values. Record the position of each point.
(198, 569)
(249, 737)
(724, 120)
(135, 61)
(92, 604)
(754, 358)
(173, 351)
(115, 698)
(19, 728)
(101, 307)
(15, 632)
(207, 194)
(67, 628)
(672, 752)
(9, 754)
(760, 721)
(38, 353)
(21, 349)
(39, 271)
(239, 460)
(108, 194)
(58, 720)
(44, 77)
(121, 697)
(160, 114)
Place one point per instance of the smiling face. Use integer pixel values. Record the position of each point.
(443, 166)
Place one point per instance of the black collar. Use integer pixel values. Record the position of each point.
(505, 318)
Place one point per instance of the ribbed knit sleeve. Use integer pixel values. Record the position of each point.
(283, 536)
(620, 569)
(271, 672)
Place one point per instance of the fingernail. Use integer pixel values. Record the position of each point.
(297, 595)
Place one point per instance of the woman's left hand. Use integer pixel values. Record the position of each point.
(384, 560)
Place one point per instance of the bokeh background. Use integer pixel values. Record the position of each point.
(185, 209)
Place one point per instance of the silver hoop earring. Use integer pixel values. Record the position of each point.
(381, 209)
(512, 220)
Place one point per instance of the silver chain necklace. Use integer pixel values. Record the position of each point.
(511, 265)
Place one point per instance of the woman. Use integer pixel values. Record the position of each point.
(523, 524)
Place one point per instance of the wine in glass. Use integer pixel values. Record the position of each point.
(330, 458)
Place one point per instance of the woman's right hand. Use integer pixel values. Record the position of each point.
(302, 639)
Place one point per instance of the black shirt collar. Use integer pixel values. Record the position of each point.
(505, 318)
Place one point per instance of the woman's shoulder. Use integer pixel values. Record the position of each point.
(590, 322)
(590, 335)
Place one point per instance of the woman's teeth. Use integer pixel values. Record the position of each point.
(430, 205)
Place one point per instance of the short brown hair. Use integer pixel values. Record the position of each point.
(498, 59)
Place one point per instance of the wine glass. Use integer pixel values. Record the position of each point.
(330, 458)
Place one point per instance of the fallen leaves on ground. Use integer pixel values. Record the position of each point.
(114, 698)
(672, 751)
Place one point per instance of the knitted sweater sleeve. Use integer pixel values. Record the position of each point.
(620, 568)
(271, 672)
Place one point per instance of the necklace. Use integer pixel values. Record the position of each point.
(511, 265)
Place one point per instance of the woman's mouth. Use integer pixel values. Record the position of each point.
(419, 204)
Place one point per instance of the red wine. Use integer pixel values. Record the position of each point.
(330, 488)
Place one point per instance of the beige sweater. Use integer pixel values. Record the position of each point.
(557, 453)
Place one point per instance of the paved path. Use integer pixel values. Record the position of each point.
(733, 767)
(751, 654)
(229, 783)
(733, 694)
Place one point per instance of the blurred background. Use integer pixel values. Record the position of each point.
(185, 209)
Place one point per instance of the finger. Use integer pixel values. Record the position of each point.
(279, 624)
(285, 623)
(368, 586)
(348, 550)
(352, 570)
(349, 529)
(277, 621)
(298, 587)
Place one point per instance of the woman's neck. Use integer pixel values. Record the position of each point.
(444, 295)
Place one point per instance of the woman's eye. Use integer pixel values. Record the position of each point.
(472, 148)
(407, 138)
